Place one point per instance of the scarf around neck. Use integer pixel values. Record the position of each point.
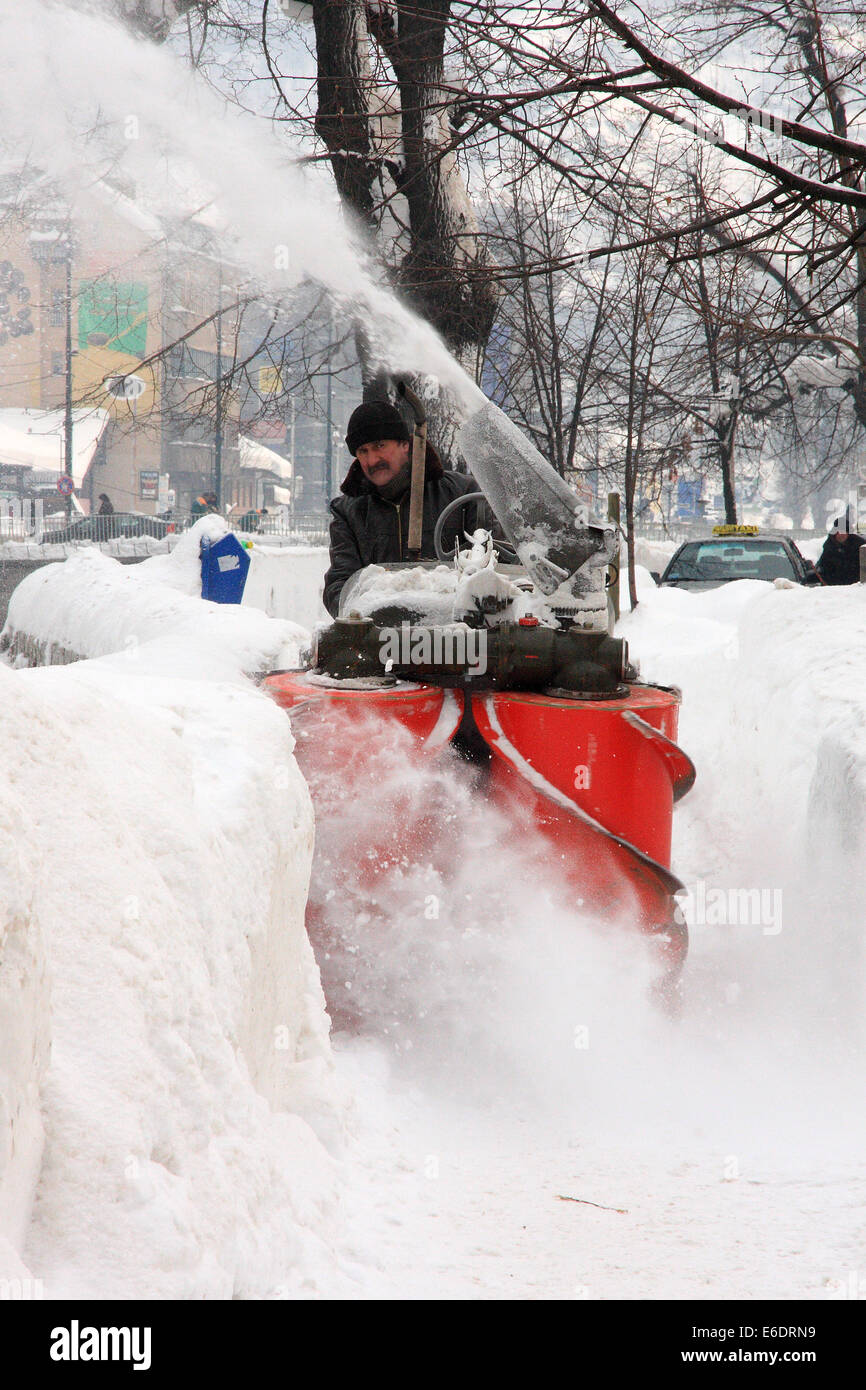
(396, 489)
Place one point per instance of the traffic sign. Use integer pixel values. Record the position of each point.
(65, 484)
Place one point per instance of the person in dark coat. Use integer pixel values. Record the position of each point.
(840, 559)
(370, 521)
(205, 503)
(105, 507)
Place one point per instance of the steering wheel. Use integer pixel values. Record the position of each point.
(504, 550)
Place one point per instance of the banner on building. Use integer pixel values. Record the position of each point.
(112, 314)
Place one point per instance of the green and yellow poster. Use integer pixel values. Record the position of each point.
(112, 314)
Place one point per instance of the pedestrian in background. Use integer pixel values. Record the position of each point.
(839, 562)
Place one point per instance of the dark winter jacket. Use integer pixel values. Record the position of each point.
(368, 530)
(840, 560)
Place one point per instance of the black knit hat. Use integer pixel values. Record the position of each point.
(372, 421)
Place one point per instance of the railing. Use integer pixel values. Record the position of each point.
(297, 530)
(661, 531)
(58, 529)
(27, 524)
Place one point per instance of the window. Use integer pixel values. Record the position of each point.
(58, 364)
(732, 559)
(185, 361)
(58, 309)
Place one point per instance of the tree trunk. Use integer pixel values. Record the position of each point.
(726, 466)
(440, 266)
(442, 275)
(344, 86)
(629, 547)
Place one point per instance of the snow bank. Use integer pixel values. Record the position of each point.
(187, 1028)
(796, 657)
(91, 605)
(179, 567)
(781, 788)
(155, 847)
(121, 548)
(288, 582)
(24, 1025)
(653, 555)
(803, 663)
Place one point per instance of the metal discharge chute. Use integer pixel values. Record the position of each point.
(563, 553)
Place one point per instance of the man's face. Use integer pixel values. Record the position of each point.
(840, 537)
(382, 460)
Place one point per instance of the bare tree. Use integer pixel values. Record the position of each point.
(422, 108)
(820, 261)
(153, 19)
(545, 357)
(383, 115)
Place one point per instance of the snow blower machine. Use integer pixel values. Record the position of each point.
(502, 652)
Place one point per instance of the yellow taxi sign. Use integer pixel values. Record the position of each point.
(735, 530)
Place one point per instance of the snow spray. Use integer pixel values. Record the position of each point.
(442, 929)
(87, 101)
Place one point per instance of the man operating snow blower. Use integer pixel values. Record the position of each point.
(501, 653)
(381, 517)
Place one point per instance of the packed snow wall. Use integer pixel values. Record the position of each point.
(165, 1074)
(91, 605)
(24, 1013)
(287, 582)
(283, 581)
(780, 793)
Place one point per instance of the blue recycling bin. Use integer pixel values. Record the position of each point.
(224, 567)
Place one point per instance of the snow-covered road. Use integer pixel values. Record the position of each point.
(719, 1157)
(448, 1204)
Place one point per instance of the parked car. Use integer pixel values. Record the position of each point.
(115, 526)
(737, 552)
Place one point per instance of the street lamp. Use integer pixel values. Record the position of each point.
(41, 249)
(218, 433)
(220, 388)
(67, 410)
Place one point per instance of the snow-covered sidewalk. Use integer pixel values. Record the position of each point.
(445, 1202)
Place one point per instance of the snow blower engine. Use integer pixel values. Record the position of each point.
(523, 610)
